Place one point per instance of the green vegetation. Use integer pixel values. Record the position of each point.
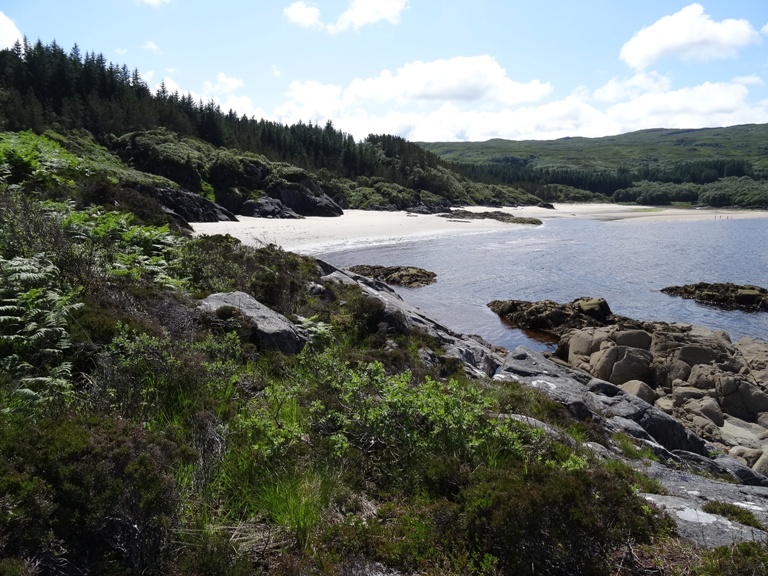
(733, 512)
(127, 136)
(139, 434)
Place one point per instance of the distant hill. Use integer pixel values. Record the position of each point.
(656, 147)
(714, 166)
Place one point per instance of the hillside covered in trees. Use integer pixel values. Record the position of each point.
(199, 147)
(206, 150)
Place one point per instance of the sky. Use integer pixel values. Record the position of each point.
(437, 70)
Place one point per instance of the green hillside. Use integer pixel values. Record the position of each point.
(713, 166)
(655, 147)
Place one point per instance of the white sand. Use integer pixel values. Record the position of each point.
(315, 235)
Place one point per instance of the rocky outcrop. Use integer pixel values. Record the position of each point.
(491, 215)
(695, 373)
(188, 206)
(266, 207)
(305, 197)
(725, 295)
(691, 469)
(409, 276)
(555, 319)
(684, 464)
(479, 358)
(267, 329)
(427, 209)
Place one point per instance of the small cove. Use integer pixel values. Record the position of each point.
(626, 262)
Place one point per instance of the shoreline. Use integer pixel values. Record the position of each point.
(314, 235)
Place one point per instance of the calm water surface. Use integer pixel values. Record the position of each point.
(626, 262)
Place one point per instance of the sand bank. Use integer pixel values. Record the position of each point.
(315, 235)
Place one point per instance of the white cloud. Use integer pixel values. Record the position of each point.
(637, 103)
(479, 79)
(156, 3)
(752, 80)
(689, 34)
(764, 29)
(619, 89)
(121, 51)
(359, 14)
(9, 33)
(151, 46)
(223, 85)
(708, 104)
(303, 14)
(457, 79)
(366, 12)
(276, 71)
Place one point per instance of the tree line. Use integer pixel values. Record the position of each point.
(43, 86)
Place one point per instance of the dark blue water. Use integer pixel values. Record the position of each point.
(626, 262)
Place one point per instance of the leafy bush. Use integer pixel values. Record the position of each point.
(36, 161)
(222, 263)
(548, 520)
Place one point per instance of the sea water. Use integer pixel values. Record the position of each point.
(627, 262)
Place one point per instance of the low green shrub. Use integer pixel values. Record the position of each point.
(733, 512)
(86, 495)
(744, 559)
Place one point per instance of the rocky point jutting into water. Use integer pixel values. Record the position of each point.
(723, 295)
(409, 276)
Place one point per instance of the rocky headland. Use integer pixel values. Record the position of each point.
(723, 295)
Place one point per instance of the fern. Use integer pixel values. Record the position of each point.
(33, 333)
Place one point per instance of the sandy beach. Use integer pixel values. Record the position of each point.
(315, 235)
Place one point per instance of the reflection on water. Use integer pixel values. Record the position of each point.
(625, 262)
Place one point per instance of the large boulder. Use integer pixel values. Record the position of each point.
(266, 207)
(188, 206)
(305, 197)
(268, 329)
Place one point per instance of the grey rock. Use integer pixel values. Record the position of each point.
(266, 207)
(187, 205)
(305, 197)
(479, 358)
(640, 389)
(270, 330)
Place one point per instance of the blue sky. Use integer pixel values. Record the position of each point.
(438, 70)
